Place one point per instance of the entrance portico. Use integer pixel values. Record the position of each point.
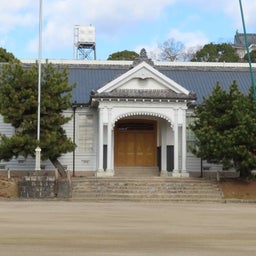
(142, 122)
(138, 139)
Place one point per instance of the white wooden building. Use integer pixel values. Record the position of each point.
(135, 115)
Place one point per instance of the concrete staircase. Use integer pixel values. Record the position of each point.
(145, 189)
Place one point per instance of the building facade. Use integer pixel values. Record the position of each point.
(240, 45)
(130, 116)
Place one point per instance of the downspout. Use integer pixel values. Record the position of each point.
(74, 107)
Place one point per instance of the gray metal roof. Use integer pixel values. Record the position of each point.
(200, 80)
(88, 79)
(239, 40)
(203, 82)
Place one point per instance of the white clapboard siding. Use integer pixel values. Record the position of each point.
(84, 161)
(193, 163)
(5, 128)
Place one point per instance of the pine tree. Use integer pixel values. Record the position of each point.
(225, 129)
(18, 106)
(216, 53)
(6, 56)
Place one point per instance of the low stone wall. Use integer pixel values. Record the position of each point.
(44, 187)
(37, 187)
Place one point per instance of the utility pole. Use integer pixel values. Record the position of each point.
(248, 51)
(38, 149)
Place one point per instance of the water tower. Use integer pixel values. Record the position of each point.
(84, 42)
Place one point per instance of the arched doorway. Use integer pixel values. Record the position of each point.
(135, 143)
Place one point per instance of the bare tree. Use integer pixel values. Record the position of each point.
(189, 53)
(171, 50)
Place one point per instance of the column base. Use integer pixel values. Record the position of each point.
(107, 173)
(180, 174)
(176, 174)
(184, 174)
(99, 173)
(110, 173)
(164, 173)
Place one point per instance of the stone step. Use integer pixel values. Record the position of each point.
(143, 184)
(134, 185)
(145, 189)
(147, 193)
(138, 172)
(139, 179)
(149, 199)
(138, 195)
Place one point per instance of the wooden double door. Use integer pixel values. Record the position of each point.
(135, 143)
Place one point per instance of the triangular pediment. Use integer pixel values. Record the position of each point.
(143, 77)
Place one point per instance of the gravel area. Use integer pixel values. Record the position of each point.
(122, 228)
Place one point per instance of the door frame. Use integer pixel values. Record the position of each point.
(140, 121)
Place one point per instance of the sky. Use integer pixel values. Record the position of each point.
(119, 24)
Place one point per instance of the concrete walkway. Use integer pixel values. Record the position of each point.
(119, 229)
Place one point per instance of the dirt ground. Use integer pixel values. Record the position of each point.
(78, 228)
(239, 189)
(60, 228)
(8, 188)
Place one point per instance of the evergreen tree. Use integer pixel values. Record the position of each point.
(225, 129)
(216, 53)
(253, 56)
(123, 55)
(6, 56)
(19, 104)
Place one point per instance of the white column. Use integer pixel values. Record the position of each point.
(100, 156)
(109, 146)
(113, 151)
(163, 149)
(176, 172)
(184, 146)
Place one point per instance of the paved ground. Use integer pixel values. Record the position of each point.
(120, 229)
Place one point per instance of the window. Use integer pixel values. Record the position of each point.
(135, 126)
(85, 133)
(190, 134)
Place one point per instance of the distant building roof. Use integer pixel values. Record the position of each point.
(239, 40)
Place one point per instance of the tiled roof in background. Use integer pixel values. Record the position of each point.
(239, 40)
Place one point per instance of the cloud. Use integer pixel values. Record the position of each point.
(249, 7)
(192, 42)
(111, 18)
(17, 13)
(231, 8)
(189, 39)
